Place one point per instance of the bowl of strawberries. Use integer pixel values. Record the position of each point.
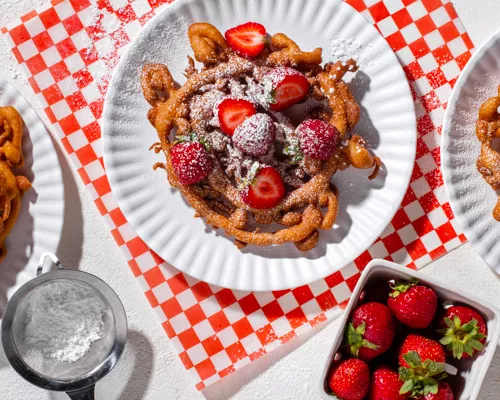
(407, 336)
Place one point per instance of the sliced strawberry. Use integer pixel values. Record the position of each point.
(266, 191)
(248, 40)
(232, 112)
(191, 162)
(317, 138)
(289, 87)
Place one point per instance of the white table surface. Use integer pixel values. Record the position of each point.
(149, 369)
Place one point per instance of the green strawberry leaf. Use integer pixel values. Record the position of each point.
(413, 359)
(449, 323)
(445, 340)
(369, 345)
(458, 349)
(402, 286)
(407, 386)
(476, 345)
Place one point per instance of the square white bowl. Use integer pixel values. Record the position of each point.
(471, 372)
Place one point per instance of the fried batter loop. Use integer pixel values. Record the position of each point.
(300, 211)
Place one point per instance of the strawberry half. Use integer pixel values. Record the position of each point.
(266, 190)
(191, 162)
(248, 40)
(289, 87)
(232, 112)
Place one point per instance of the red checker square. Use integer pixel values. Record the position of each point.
(96, 108)
(447, 210)
(302, 294)
(134, 268)
(212, 345)
(36, 64)
(442, 55)
(92, 131)
(318, 320)
(178, 284)
(66, 48)
(402, 18)
(200, 386)
(430, 101)
(266, 335)
(463, 59)
(436, 78)
(416, 249)
(86, 154)
(242, 328)
(357, 4)
(462, 238)
(413, 71)
(117, 217)
(4, 30)
(419, 48)
(436, 253)
(287, 337)
(201, 291)
(279, 293)
(412, 266)
(17, 55)
(83, 175)
(296, 318)
(59, 72)
(157, 3)
(49, 18)
(73, 24)
(43, 41)
(449, 31)
(343, 304)
(218, 321)
(186, 360)
(363, 259)
(50, 115)
(379, 11)
(273, 311)
(34, 85)
(195, 314)
(236, 352)
(431, 5)
(425, 25)
(451, 10)
(326, 300)
(334, 279)
(120, 39)
(467, 40)
(424, 125)
(393, 242)
(146, 17)
(137, 247)
(25, 18)
(19, 34)
(226, 371)
(118, 239)
(69, 124)
(205, 369)
(396, 41)
(446, 232)
(188, 338)
(422, 225)
(104, 5)
(158, 260)
(225, 297)
(400, 219)
(82, 78)
(67, 146)
(421, 148)
(151, 298)
(56, 2)
(352, 281)
(171, 307)
(52, 94)
(434, 178)
(256, 354)
(79, 5)
(95, 31)
(168, 329)
(76, 101)
(249, 304)
(409, 197)
(89, 56)
(126, 14)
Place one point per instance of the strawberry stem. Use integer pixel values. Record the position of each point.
(399, 287)
(460, 339)
(356, 341)
(421, 378)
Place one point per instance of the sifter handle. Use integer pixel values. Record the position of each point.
(41, 262)
(83, 394)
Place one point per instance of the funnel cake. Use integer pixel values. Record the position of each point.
(235, 157)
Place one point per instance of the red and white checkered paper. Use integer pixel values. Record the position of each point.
(215, 331)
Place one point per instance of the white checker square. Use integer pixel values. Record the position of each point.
(299, 330)
(416, 10)
(44, 79)
(273, 345)
(457, 46)
(264, 298)
(88, 16)
(432, 140)
(28, 49)
(455, 242)
(444, 93)
(211, 379)
(145, 261)
(186, 299)
(95, 170)
(132, 29)
(75, 162)
(64, 10)
(127, 232)
(408, 234)
(60, 109)
(441, 195)
(163, 292)
(110, 22)
(34, 26)
(117, 4)
(238, 294)
(440, 16)
(67, 86)
(423, 261)
(180, 322)
(233, 312)
(97, 144)
(81, 40)
(420, 187)
(140, 7)
(387, 26)
(122, 50)
(437, 217)
(378, 250)
(104, 46)
(456, 226)
(405, 56)
(428, 63)
(387, 231)
(414, 210)
(91, 92)
(434, 40)
(437, 116)
(109, 201)
(431, 241)
(96, 69)
(143, 284)
(44, 7)
(370, 3)
(426, 163)
(57, 33)
(410, 33)
(227, 336)
(341, 292)
(394, 5)
(197, 354)
(251, 343)
(281, 326)
(160, 315)
(108, 221)
(318, 287)
(257, 319)
(77, 139)
(450, 70)
(288, 302)
(420, 110)
(204, 330)
(311, 309)
(349, 270)
(401, 257)
(220, 360)
(460, 26)
(84, 116)
(74, 63)
(210, 306)
(241, 363)
(422, 86)
(51, 56)
(167, 270)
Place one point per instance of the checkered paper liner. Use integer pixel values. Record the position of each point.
(63, 46)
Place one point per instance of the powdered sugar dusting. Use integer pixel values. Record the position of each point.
(255, 135)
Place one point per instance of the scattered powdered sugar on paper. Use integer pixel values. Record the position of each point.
(344, 49)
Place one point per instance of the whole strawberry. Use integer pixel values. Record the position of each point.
(350, 379)
(191, 162)
(464, 331)
(371, 331)
(386, 385)
(444, 393)
(421, 362)
(412, 304)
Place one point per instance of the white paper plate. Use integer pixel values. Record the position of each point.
(159, 214)
(39, 224)
(471, 198)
